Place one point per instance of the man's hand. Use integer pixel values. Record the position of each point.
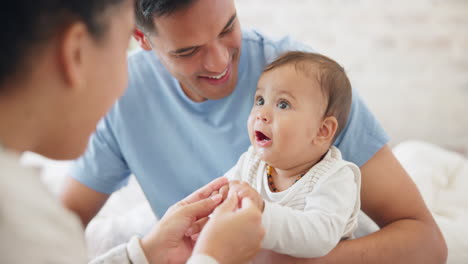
(244, 190)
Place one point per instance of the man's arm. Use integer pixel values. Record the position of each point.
(82, 200)
(408, 232)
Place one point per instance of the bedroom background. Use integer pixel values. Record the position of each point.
(408, 60)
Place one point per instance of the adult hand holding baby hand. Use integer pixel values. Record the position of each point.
(195, 229)
(168, 242)
(234, 233)
(244, 190)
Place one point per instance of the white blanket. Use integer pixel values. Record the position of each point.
(442, 178)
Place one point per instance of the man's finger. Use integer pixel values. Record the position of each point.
(205, 191)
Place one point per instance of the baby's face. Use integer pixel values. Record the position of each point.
(287, 113)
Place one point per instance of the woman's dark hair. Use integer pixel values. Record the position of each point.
(28, 24)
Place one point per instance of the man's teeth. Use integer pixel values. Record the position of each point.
(219, 76)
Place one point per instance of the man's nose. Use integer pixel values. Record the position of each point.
(216, 58)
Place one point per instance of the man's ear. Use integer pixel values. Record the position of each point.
(142, 39)
(326, 131)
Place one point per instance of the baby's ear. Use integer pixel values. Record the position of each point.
(326, 131)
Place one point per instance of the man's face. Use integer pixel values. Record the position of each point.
(200, 46)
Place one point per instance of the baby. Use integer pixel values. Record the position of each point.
(308, 194)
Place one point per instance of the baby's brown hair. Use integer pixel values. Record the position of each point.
(330, 76)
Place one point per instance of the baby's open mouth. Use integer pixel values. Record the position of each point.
(261, 137)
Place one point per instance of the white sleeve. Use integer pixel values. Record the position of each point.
(315, 231)
(201, 259)
(235, 173)
(130, 253)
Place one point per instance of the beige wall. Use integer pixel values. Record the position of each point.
(409, 59)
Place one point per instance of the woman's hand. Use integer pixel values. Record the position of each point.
(233, 234)
(168, 242)
(244, 190)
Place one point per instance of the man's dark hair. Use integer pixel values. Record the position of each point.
(330, 76)
(26, 25)
(147, 10)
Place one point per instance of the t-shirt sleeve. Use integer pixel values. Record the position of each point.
(102, 167)
(363, 135)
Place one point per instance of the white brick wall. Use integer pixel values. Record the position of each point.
(409, 59)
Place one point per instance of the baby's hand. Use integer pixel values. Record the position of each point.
(223, 191)
(243, 190)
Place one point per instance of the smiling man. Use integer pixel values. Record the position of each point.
(182, 122)
(205, 64)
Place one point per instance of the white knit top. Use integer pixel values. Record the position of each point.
(308, 219)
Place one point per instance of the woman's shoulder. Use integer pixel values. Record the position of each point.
(34, 220)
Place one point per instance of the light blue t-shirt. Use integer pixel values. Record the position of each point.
(174, 145)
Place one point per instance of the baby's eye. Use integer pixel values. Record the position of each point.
(283, 105)
(259, 101)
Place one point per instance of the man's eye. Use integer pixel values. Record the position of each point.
(259, 101)
(186, 54)
(283, 105)
(228, 30)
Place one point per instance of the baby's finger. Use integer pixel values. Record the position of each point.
(195, 237)
(196, 227)
(236, 187)
(247, 204)
(229, 205)
(243, 192)
(234, 184)
(224, 191)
